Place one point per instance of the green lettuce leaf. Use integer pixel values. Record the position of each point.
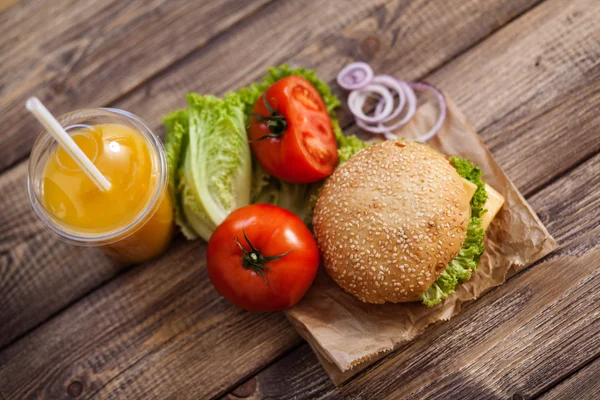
(347, 145)
(467, 259)
(209, 162)
(297, 198)
(211, 171)
(176, 126)
(250, 94)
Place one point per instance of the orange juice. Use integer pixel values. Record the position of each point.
(133, 221)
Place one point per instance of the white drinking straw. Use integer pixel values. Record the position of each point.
(35, 106)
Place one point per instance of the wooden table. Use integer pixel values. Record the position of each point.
(73, 324)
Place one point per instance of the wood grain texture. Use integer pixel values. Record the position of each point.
(545, 66)
(520, 338)
(106, 380)
(39, 274)
(81, 54)
(45, 278)
(518, 140)
(570, 206)
(128, 363)
(540, 71)
(167, 91)
(398, 37)
(147, 375)
(160, 331)
(530, 353)
(583, 385)
(296, 376)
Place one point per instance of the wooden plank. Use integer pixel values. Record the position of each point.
(295, 376)
(584, 384)
(543, 67)
(550, 57)
(75, 54)
(45, 278)
(529, 355)
(39, 274)
(397, 38)
(164, 362)
(534, 150)
(167, 92)
(519, 339)
(558, 328)
(549, 131)
(148, 318)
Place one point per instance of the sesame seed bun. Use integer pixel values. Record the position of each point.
(390, 220)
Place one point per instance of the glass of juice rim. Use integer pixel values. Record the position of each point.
(78, 121)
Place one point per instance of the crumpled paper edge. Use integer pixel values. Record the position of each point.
(339, 368)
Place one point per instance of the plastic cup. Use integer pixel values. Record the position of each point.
(140, 239)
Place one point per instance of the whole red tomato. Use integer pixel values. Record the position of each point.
(291, 133)
(262, 258)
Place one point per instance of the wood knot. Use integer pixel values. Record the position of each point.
(370, 46)
(58, 88)
(75, 389)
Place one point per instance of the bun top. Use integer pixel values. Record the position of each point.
(390, 220)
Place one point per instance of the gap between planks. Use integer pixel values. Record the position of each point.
(576, 165)
(112, 12)
(562, 174)
(566, 378)
(167, 70)
(526, 194)
(572, 386)
(164, 71)
(577, 246)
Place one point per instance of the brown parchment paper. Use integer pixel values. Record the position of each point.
(349, 335)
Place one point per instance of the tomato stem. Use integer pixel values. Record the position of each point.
(276, 122)
(254, 259)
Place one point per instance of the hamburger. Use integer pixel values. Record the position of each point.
(399, 222)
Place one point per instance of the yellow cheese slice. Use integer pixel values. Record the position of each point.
(492, 205)
(470, 188)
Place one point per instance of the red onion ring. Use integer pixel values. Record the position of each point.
(356, 101)
(443, 109)
(354, 76)
(384, 111)
(392, 83)
(358, 78)
(380, 128)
